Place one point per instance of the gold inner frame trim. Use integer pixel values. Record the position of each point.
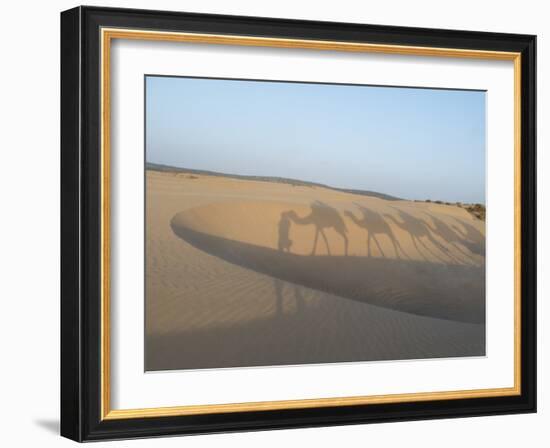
(107, 35)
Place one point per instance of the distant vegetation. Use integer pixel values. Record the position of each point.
(476, 210)
(282, 180)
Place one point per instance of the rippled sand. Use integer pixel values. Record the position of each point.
(250, 273)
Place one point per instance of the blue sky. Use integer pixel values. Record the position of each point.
(411, 143)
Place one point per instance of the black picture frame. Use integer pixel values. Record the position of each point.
(81, 224)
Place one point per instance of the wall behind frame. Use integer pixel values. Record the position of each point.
(29, 228)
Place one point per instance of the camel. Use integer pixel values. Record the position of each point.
(323, 217)
(417, 229)
(375, 224)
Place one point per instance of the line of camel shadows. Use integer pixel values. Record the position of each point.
(453, 291)
(324, 217)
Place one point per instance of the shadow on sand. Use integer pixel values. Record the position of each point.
(444, 291)
(322, 217)
(374, 224)
(306, 338)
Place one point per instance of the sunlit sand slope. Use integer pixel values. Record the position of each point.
(244, 273)
(349, 225)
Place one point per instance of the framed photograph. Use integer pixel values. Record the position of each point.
(272, 223)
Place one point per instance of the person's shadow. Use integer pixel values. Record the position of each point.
(284, 242)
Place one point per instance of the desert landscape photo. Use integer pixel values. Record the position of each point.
(294, 223)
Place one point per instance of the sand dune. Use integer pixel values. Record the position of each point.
(246, 273)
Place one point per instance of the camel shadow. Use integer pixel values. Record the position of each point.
(374, 224)
(466, 248)
(322, 217)
(473, 239)
(419, 231)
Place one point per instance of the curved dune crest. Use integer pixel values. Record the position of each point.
(375, 230)
(389, 256)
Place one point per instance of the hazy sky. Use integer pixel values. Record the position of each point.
(411, 143)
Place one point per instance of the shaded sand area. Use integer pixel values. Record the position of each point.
(254, 273)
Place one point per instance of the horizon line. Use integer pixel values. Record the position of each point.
(288, 180)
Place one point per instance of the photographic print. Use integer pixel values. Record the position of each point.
(297, 223)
